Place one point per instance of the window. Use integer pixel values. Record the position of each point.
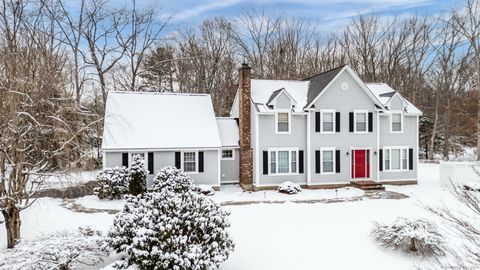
(396, 159)
(283, 161)
(190, 161)
(273, 162)
(283, 122)
(328, 121)
(361, 121)
(396, 124)
(327, 158)
(294, 161)
(228, 154)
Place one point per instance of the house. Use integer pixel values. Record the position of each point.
(324, 131)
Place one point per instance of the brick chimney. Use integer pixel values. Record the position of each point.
(246, 152)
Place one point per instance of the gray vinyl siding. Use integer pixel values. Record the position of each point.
(164, 158)
(344, 102)
(408, 138)
(396, 103)
(283, 102)
(230, 169)
(268, 139)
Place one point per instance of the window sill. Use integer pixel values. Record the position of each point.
(282, 132)
(190, 172)
(400, 170)
(227, 159)
(361, 132)
(283, 174)
(327, 132)
(327, 173)
(396, 132)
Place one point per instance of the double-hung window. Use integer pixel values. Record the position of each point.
(283, 161)
(283, 122)
(395, 158)
(361, 121)
(328, 160)
(328, 121)
(190, 162)
(396, 122)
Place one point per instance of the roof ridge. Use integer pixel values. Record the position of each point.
(308, 78)
(157, 93)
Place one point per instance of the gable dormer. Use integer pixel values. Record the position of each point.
(344, 82)
(281, 100)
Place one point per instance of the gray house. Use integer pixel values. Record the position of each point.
(324, 131)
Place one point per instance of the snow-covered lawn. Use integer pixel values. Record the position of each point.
(282, 235)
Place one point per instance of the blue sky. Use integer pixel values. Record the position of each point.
(328, 15)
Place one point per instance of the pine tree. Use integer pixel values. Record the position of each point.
(137, 176)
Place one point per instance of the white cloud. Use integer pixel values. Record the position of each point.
(198, 10)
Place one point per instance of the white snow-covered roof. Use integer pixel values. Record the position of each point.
(262, 90)
(229, 132)
(146, 120)
(383, 92)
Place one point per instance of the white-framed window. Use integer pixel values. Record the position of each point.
(228, 154)
(396, 122)
(283, 161)
(190, 161)
(282, 122)
(395, 158)
(327, 157)
(360, 119)
(327, 125)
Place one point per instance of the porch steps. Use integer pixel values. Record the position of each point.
(367, 185)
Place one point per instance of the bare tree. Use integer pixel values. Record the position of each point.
(136, 37)
(467, 22)
(38, 119)
(101, 32)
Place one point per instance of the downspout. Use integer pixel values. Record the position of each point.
(378, 146)
(308, 152)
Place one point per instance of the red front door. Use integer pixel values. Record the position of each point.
(360, 163)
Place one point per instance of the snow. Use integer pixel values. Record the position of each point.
(65, 179)
(378, 89)
(459, 172)
(326, 235)
(233, 193)
(228, 130)
(142, 120)
(263, 89)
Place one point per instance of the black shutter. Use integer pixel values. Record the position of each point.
(150, 162)
(380, 160)
(350, 121)
(317, 161)
(337, 122)
(200, 161)
(370, 122)
(410, 159)
(300, 161)
(125, 159)
(178, 161)
(337, 161)
(265, 162)
(317, 121)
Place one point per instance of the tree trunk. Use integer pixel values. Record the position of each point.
(434, 131)
(413, 247)
(12, 224)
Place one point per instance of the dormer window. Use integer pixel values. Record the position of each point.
(282, 122)
(396, 122)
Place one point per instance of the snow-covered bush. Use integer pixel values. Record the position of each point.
(137, 176)
(205, 190)
(410, 234)
(472, 186)
(172, 179)
(171, 229)
(112, 183)
(59, 250)
(289, 188)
